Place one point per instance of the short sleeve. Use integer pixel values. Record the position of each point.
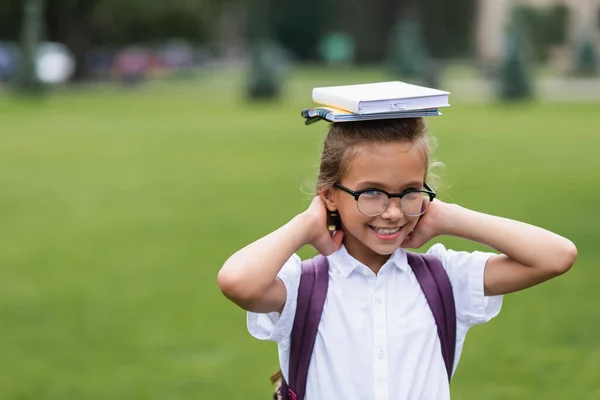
(466, 272)
(273, 326)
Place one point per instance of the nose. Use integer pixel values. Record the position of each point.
(393, 211)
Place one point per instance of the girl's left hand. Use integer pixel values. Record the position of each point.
(428, 226)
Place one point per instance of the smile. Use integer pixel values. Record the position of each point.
(385, 231)
(387, 234)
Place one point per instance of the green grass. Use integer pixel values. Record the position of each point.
(119, 207)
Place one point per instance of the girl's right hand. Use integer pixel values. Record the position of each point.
(317, 228)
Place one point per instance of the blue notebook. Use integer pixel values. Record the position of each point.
(332, 114)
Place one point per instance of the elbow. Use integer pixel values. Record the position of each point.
(566, 258)
(235, 287)
(229, 283)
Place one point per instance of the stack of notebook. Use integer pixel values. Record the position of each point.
(383, 100)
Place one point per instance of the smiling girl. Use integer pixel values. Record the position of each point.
(376, 338)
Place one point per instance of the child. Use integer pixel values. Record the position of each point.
(377, 338)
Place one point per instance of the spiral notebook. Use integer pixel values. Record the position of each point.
(333, 114)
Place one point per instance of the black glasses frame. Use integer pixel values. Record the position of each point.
(428, 190)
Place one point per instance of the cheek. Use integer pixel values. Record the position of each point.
(345, 203)
(350, 214)
(412, 223)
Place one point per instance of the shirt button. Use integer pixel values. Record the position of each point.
(380, 354)
(378, 300)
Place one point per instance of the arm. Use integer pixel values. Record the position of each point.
(530, 255)
(249, 277)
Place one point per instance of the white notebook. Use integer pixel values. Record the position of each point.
(381, 97)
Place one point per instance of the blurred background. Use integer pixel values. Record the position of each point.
(142, 142)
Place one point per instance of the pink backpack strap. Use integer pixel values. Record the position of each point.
(437, 289)
(312, 292)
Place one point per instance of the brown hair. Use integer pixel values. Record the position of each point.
(344, 138)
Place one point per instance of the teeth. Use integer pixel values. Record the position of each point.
(385, 231)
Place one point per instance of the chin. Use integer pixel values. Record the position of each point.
(385, 249)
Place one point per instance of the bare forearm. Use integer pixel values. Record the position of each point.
(249, 277)
(529, 245)
(252, 270)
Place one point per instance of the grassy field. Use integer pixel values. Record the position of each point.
(118, 207)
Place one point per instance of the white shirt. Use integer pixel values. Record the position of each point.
(377, 339)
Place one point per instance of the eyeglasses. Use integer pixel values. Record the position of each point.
(372, 202)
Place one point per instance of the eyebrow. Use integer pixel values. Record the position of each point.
(378, 185)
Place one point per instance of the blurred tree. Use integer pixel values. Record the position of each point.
(543, 28)
(531, 30)
(557, 24)
(408, 54)
(27, 78)
(266, 71)
(515, 81)
(119, 22)
(586, 61)
(71, 23)
(298, 25)
(337, 49)
(266, 67)
(448, 27)
(370, 27)
(11, 18)
(85, 24)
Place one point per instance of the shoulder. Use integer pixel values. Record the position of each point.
(291, 270)
(457, 261)
(466, 273)
(278, 326)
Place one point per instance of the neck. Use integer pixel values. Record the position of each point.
(365, 255)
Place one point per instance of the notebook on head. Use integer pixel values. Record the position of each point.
(381, 97)
(332, 114)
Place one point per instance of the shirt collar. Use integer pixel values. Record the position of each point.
(346, 264)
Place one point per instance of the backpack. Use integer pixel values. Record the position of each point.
(434, 282)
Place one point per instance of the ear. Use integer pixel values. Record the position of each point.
(328, 197)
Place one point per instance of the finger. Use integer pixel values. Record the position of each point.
(326, 248)
(415, 242)
(407, 239)
(330, 245)
(329, 248)
(425, 205)
(407, 244)
(337, 238)
(411, 242)
(316, 201)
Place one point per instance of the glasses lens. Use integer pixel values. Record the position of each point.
(372, 202)
(415, 204)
